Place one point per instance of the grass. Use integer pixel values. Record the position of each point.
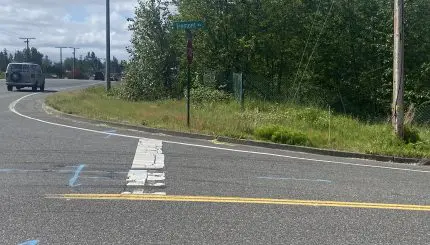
(281, 123)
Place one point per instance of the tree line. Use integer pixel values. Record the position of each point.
(85, 66)
(325, 53)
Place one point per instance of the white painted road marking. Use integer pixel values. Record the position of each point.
(14, 103)
(137, 177)
(147, 170)
(148, 155)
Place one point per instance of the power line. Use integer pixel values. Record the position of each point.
(313, 50)
(306, 46)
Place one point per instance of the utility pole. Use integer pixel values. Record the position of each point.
(74, 59)
(61, 60)
(107, 46)
(27, 40)
(398, 69)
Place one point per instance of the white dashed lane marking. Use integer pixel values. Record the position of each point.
(147, 173)
(137, 177)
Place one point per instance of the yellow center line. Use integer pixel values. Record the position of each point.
(239, 200)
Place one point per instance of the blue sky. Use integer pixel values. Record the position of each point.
(78, 13)
(61, 23)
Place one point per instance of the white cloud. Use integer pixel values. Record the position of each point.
(65, 23)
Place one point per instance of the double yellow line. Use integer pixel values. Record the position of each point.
(239, 200)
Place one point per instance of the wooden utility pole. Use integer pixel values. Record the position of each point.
(74, 60)
(27, 41)
(61, 60)
(398, 69)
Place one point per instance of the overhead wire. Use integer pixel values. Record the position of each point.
(313, 50)
(306, 46)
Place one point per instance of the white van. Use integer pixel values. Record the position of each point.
(20, 75)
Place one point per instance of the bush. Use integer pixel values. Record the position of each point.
(282, 135)
(289, 137)
(266, 132)
(142, 83)
(202, 94)
(411, 135)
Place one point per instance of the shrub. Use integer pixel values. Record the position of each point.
(266, 132)
(289, 137)
(202, 94)
(282, 135)
(411, 135)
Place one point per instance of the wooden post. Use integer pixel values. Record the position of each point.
(398, 70)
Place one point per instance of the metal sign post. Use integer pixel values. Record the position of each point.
(190, 60)
(187, 26)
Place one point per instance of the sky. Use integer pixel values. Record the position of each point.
(76, 23)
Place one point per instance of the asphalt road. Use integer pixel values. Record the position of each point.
(65, 182)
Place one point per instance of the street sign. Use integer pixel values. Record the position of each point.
(188, 25)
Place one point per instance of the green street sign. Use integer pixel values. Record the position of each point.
(188, 25)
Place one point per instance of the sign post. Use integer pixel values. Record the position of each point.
(188, 26)
(190, 60)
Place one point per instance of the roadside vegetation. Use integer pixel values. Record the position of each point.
(296, 60)
(266, 121)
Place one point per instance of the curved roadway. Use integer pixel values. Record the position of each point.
(65, 182)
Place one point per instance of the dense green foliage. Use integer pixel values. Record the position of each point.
(336, 53)
(151, 70)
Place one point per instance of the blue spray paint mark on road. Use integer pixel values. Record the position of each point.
(74, 179)
(110, 133)
(32, 242)
(7, 170)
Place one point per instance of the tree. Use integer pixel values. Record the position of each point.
(5, 59)
(336, 53)
(86, 66)
(115, 68)
(19, 56)
(46, 63)
(148, 74)
(35, 56)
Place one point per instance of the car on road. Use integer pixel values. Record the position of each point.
(98, 76)
(114, 77)
(20, 75)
